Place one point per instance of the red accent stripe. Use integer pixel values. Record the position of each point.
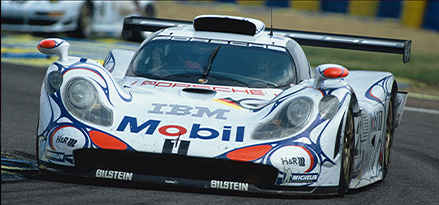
(106, 141)
(249, 153)
(370, 93)
(335, 72)
(47, 43)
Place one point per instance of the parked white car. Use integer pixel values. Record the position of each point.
(76, 18)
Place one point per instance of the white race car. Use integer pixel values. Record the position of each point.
(220, 103)
(77, 18)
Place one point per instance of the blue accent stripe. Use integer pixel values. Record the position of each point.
(24, 55)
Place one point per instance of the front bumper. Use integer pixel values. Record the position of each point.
(179, 170)
(43, 26)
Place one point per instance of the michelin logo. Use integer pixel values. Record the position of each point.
(303, 178)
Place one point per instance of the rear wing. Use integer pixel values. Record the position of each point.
(305, 38)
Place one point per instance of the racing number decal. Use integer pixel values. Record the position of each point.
(171, 145)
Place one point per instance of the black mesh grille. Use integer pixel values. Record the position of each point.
(6, 20)
(42, 22)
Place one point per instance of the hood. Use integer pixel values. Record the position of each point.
(192, 119)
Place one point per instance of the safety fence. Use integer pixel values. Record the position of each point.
(418, 14)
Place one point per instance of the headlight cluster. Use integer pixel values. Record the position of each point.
(81, 99)
(288, 121)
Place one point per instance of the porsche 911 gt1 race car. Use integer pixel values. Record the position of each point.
(220, 103)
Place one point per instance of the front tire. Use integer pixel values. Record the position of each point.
(84, 23)
(347, 155)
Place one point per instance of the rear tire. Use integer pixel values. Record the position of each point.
(388, 139)
(347, 155)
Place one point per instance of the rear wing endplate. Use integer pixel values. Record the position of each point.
(304, 38)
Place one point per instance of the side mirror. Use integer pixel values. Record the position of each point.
(329, 71)
(55, 46)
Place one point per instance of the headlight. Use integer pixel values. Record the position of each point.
(298, 111)
(81, 94)
(81, 99)
(293, 118)
(328, 106)
(53, 81)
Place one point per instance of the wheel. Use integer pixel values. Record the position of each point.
(388, 140)
(37, 148)
(84, 23)
(347, 164)
(42, 172)
(149, 11)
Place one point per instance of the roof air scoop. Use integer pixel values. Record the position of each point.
(228, 24)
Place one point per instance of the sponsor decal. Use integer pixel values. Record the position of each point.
(66, 141)
(377, 121)
(111, 174)
(185, 110)
(60, 157)
(65, 138)
(296, 158)
(294, 161)
(301, 178)
(185, 85)
(176, 146)
(55, 156)
(236, 186)
(196, 131)
(287, 177)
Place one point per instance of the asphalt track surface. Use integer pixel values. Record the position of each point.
(412, 179)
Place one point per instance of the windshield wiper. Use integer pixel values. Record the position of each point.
(209, 62)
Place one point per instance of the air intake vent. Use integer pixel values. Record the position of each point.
(199, 90)
(228, 24)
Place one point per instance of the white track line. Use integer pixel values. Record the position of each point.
(423, 110)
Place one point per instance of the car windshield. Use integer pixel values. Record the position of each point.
(220, 63)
